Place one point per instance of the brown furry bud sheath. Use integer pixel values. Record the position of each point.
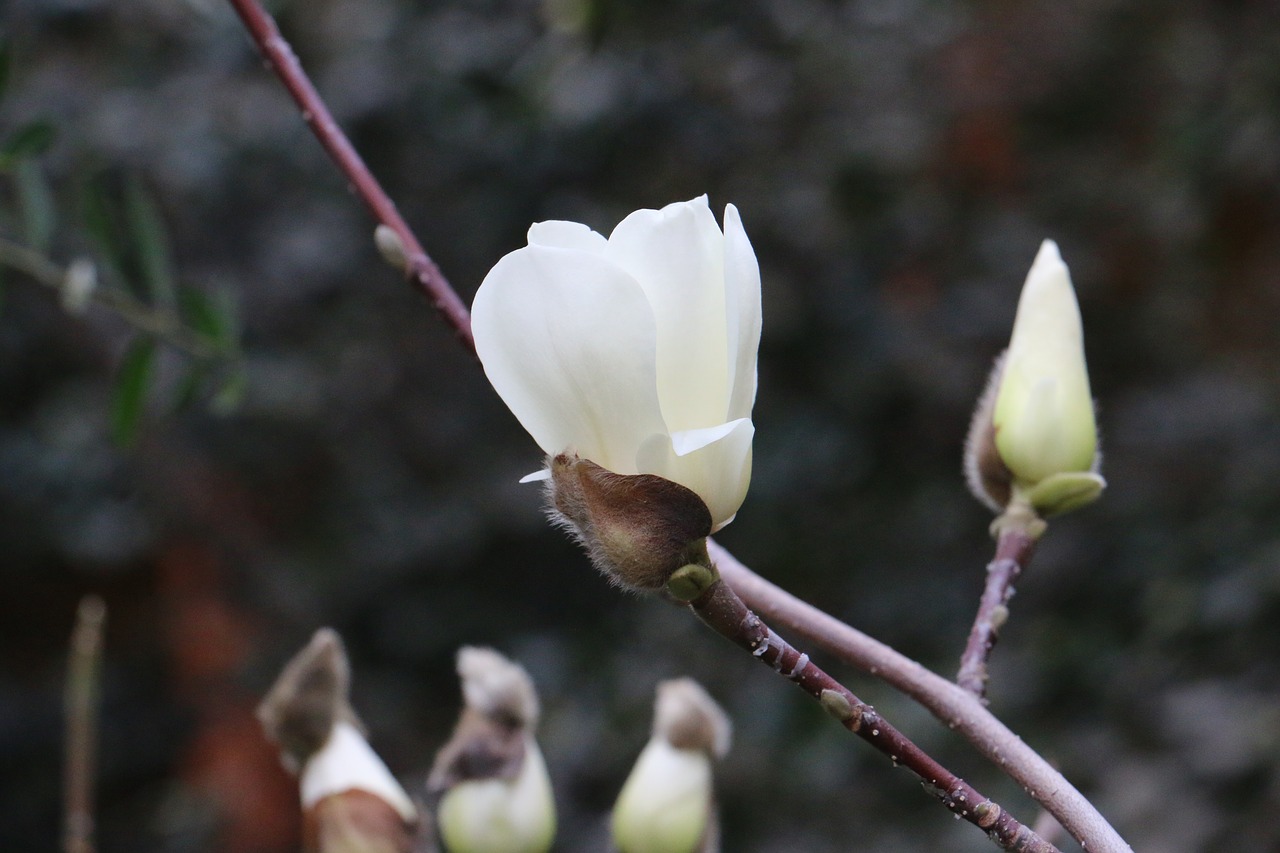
(638, 529)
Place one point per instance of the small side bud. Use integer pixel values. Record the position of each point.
(987, 813)
(638, 529)
(690, 581)
(78, 285)
(838, 705)
(391, 247)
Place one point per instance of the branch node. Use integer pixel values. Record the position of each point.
(987, 813)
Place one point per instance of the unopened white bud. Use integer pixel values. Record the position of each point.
(1043, 416)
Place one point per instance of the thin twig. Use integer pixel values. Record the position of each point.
(161, 323)
(418, 266)
(1014, 548)
(951, 704)
(722, 609)
(81, 708)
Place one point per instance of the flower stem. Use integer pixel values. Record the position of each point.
(1015, 544)
(722, 609)
(417, 265)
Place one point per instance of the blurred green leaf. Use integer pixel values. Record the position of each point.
(151, 242)
(102, 222)
(188, 388)
(30, 140)
(231, 394)
(211, 316)
(35, 200)
(132, 383)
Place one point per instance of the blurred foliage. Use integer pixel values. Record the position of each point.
(134, 256)
(896, 163)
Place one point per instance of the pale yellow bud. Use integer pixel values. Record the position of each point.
(1043, 417)
(667, 804)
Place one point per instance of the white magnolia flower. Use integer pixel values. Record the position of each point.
(637, 352)
(1044, 419)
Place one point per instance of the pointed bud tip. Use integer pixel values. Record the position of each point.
(687, 717)
(1048, 254)
(308, 698)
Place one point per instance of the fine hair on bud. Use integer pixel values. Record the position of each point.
(687, 717)
(638, 529)
(989, 479)
(497, 686)
(308, 698)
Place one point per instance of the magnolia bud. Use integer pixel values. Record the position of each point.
(350, 801)
(638, 528)
(492, 783)
(1033, 437)
(1043, 416)
(667, 804)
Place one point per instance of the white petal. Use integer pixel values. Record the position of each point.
(677, 256)
(559, 234)
(568, 341)
(714, 462)
(345, 763)
(742, 314)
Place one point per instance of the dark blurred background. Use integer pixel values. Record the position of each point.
(896, 162)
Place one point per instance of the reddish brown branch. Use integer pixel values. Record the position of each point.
(1014, 548)
(418, 266)
(959, 709)
(722, 609)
